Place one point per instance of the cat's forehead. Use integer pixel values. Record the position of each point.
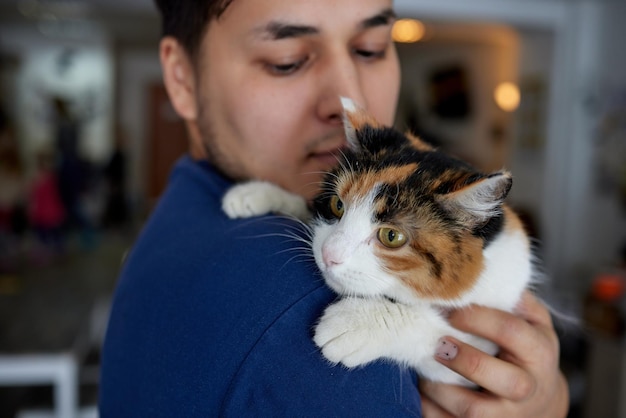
(422, 173)
(358, 187)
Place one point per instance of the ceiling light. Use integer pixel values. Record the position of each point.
(407, 30)
(507, 96)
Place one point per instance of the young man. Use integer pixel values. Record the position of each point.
(213, 317)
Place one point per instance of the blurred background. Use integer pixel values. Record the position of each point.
(87, 138)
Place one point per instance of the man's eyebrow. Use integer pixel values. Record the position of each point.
(381, 19)
(277, 30)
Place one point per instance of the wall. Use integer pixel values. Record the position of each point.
(137, 69)
(488, 56)
(604, 100)
(528, 152)
(492, 54)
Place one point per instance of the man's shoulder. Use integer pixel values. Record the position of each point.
(201, 303)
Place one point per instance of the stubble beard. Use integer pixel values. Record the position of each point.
(219, 159)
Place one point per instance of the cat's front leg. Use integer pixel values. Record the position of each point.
(255, 198)
(355, 331)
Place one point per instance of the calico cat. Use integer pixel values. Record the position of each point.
(403, 233)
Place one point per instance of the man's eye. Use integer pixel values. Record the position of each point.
(371, 54)
(285, 69)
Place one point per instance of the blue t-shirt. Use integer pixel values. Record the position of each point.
(214, 317)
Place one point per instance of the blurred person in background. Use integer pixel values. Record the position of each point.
(73, 172)
(13, 191)
(116, 211)
(46, 211)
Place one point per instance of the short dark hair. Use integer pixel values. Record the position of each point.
(187, 20)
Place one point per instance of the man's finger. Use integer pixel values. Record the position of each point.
(511, 333)
(432, 410)
(533, 310)
(499, 377)
(456, 400)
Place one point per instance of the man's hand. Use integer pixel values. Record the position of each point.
(523, 381)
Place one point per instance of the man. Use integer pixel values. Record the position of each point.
(214, 316)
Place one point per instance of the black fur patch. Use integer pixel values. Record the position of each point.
(490, 230)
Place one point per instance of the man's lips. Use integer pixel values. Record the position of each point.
(328, 158)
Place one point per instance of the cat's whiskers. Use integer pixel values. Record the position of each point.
(319, 172)
(326, 195)
(319, 185)
(374, 278)
(308, 239)
(322, 181)
(291, 232)
(364, 277)
(300, 258)
(303, 252)
(249, 221)
(344, 160)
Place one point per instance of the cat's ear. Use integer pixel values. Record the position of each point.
(349, 108)
(478, 201)
(354, 119)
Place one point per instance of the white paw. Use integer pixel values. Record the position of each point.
(256, 198)
(346, 335)
(250, 199)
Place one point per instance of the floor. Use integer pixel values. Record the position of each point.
(54, 302)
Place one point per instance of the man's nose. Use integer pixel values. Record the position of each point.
(342, 79)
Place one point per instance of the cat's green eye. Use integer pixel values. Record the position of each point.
(391, 238)
(336, 206)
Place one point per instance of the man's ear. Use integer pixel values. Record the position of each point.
(179, 78)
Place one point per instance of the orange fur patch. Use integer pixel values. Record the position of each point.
(513, 223)
(436, 266)
(453, 177)
(356, 189)
(359, 118)
(418, 144)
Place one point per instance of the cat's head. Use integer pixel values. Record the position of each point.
(399, 219)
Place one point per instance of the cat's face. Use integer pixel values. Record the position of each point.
(401, 220)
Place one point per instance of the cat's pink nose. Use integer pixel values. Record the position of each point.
(330, 256)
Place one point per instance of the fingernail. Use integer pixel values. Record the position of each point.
(446, 350)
